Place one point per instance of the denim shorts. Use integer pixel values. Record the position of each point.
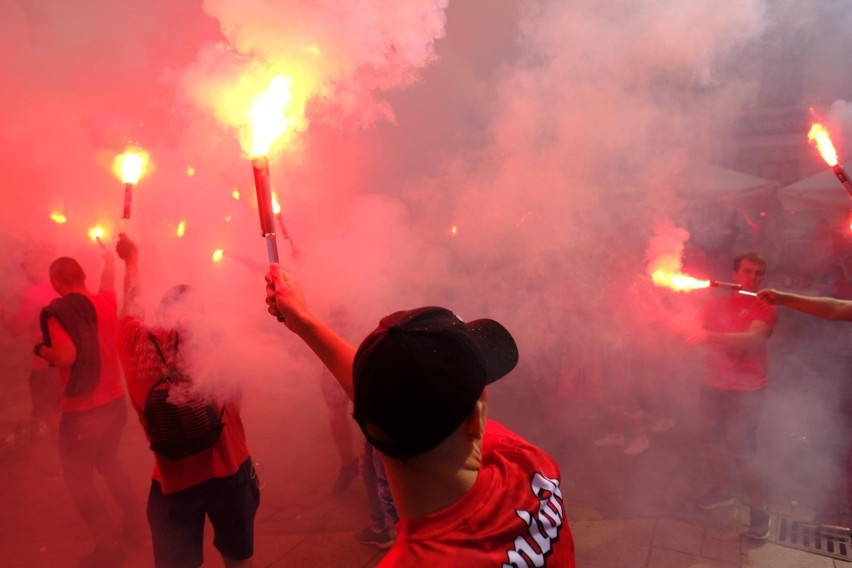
(177, 519)
(732, 417)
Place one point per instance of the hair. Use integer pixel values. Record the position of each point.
(752, 256)
(177, 303)
(67, 271)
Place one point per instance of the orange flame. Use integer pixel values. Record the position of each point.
(58, 218)
(130, 165)
(820, 136)
(267, 116)
(97, 233)
(217, 255)
(678, 281)
(181, 228)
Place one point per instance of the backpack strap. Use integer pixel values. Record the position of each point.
(156, 343)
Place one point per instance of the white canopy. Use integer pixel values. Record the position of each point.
(715, 183)
(819, 191)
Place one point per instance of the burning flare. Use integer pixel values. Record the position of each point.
(678, 281)
(181, 228)
(217, 255)
(276, 206)
(58, 218)
(267, 116)
(130, 165)
(96, 233)
(820, 136)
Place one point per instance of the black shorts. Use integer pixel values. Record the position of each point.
(732, 417)
(177, 519)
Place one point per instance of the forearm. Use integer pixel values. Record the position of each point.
(108, 276)
(742, 340)
(130, 305)
(335, 352)
(58, 355)
(826, 308)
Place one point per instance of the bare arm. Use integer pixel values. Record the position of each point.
(757, 333)
(129, 253)
(62, 352)
(108, 275)
(821, 307)
(284, 298)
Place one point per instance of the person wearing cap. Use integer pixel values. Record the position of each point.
(469, 492)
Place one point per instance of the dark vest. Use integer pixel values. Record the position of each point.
(77, 315)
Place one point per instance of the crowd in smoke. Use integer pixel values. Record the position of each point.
(507, 159)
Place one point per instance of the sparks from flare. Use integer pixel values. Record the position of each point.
(181, 228)
(58, 218)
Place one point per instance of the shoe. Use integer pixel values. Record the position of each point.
(714, 499)
(610, 440)
(759, 525)
(380, 538)
(347, 473)
(662, 425)
(638, 446)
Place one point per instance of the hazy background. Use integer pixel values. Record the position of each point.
(508, 159)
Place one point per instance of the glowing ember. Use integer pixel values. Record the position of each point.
(276, 206)
(181, 228)
(267, 117)
(678, 281)
(58, 218)
(190, 171)
(454, 230)
(820, 136)
(217, 255)
(130, 165)
(96, 233)
(235, 194)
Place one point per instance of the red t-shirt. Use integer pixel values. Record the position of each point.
(143, 368)
(110, 386)
(736, 368)
(514, 511)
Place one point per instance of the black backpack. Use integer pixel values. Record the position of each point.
(180, 421)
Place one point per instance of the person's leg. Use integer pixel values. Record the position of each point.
(79, 436)
(383, 488)
(712, 416)
(114, 419)
(177, 527)
(742, 442)
(232, 503)
(369, 476)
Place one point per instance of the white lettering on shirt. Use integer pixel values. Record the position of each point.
(533, 548)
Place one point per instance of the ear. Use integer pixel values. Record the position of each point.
(475, 423)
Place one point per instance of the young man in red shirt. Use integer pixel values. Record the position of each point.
(736, 328)
(469, 492)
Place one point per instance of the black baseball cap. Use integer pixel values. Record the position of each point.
(418, 375)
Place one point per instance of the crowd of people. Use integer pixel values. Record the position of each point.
(459, 487)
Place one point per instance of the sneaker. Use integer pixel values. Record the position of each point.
(759, 525)
(347, 473)
(714, 499)
(380, 538)
(638, 446)
(662, 425)
(610, 440)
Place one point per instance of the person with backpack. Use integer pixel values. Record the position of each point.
(78, 337)
(202, 466)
